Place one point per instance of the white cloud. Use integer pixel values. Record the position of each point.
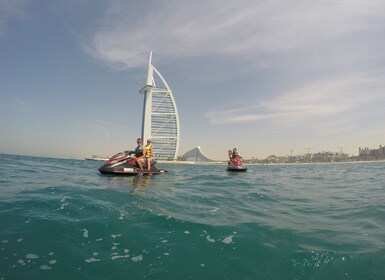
(245, 28)
(315, 102)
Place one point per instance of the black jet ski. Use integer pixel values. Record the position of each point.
(235, 164)
(124, 164)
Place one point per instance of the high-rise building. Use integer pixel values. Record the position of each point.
(160, 121)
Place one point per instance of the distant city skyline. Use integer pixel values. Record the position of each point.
(264, 76)
(190, 154)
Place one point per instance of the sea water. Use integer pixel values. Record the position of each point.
(61, 219)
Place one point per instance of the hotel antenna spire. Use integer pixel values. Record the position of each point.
(150, 72)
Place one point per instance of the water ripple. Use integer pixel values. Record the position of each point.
(61, 218)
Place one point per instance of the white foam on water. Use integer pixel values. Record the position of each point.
(100, 239)
(209, 239)
(85, 233)
(20, 239)
(214, 210)
(51, 253)
(186, 232)
(125, 251)
(115, 235)
(31, 256)
(45, 267)
(119, 257)
(52, 262)
(228, 239)
(91, 260)
(137, 258)
(62, 206)
(4, 241)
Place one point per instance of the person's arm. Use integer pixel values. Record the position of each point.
(144, 151)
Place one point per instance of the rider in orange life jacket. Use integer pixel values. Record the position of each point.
(149, 153)
(140, 153)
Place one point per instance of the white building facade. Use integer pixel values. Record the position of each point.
(160, 120)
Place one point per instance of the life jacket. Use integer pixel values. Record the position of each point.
(138, 151)
(148, 151)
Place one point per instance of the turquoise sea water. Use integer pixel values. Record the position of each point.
(61, 219)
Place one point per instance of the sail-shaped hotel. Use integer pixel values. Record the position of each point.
(160, 121)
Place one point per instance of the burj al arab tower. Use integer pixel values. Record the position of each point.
(160, 121)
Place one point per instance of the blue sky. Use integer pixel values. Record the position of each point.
(267, 77)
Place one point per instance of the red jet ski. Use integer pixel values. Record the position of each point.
(235, 164)
(124, 164)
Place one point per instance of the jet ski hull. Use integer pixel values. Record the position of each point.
(236, 169)
(235, 164)
(131, 173)
(123, 165)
